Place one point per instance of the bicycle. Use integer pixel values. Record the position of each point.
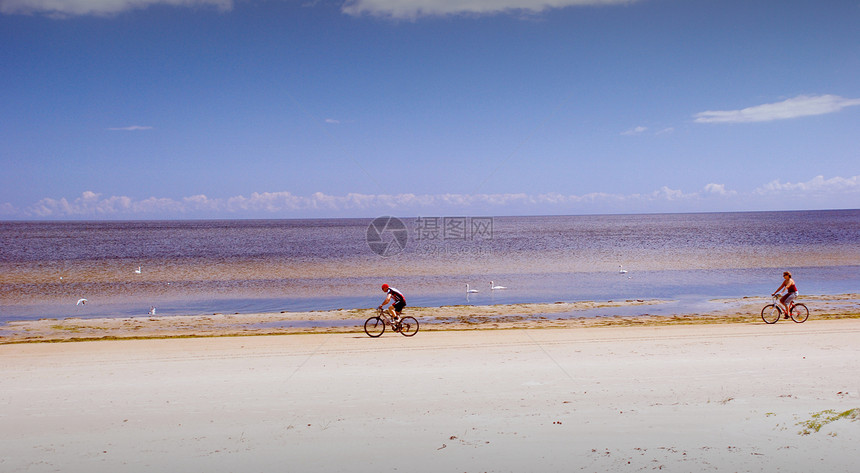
(375, 326)
(774, 311)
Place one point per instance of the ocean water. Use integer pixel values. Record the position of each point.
(242, 266)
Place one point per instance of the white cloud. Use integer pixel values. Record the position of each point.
(285, 204)
(670, 194)
(635, 131)
(815, 186)
(131, 128)
(800, 106)
(718, 189)
(91, 204)
(67, 8)
(639, 130)
(7, 209)
(397, 9)
(411, 9)
(332, 121)
(88, 204)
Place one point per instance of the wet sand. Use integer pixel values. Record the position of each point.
(741, 396)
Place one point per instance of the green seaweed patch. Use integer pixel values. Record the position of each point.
(820, 419)
(66, 328)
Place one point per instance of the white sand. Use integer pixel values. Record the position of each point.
(669, 398)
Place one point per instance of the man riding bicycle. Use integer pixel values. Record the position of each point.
(399, 302)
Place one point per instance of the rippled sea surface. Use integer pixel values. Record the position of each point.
(196, 267)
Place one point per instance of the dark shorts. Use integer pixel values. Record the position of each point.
(398, 306)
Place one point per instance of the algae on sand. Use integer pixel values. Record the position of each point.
(820, 419)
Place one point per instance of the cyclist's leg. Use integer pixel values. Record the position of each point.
(784, 304)
(789, 300)
(392, 312)
(398, 307)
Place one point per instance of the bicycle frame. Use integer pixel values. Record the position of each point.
(384, 315)
(787, 310)
(776, 301)
(772, 312)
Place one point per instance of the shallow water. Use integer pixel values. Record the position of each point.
(199, 267)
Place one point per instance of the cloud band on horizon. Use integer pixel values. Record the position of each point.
(411, 9)
(394, 9)
(68, 8)
(93, 205)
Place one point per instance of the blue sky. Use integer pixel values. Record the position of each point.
(148, 109)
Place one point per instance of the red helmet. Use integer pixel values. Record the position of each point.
(385, 287)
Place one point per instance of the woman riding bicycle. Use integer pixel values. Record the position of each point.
(790, 288)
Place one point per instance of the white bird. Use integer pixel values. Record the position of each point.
(152, 310)
(493, 286)
(621, 269)
(81, 301)
(137, 271)
(470, 290)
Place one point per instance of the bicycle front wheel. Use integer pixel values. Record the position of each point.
(799, 313)
(374, 327)
(771, 313)
(408, 326)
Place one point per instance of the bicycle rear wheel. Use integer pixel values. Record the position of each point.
(374, 327)
(771, 313)
(408, 326)
(799, 313)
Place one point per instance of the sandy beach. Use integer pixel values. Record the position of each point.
(731, 396)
